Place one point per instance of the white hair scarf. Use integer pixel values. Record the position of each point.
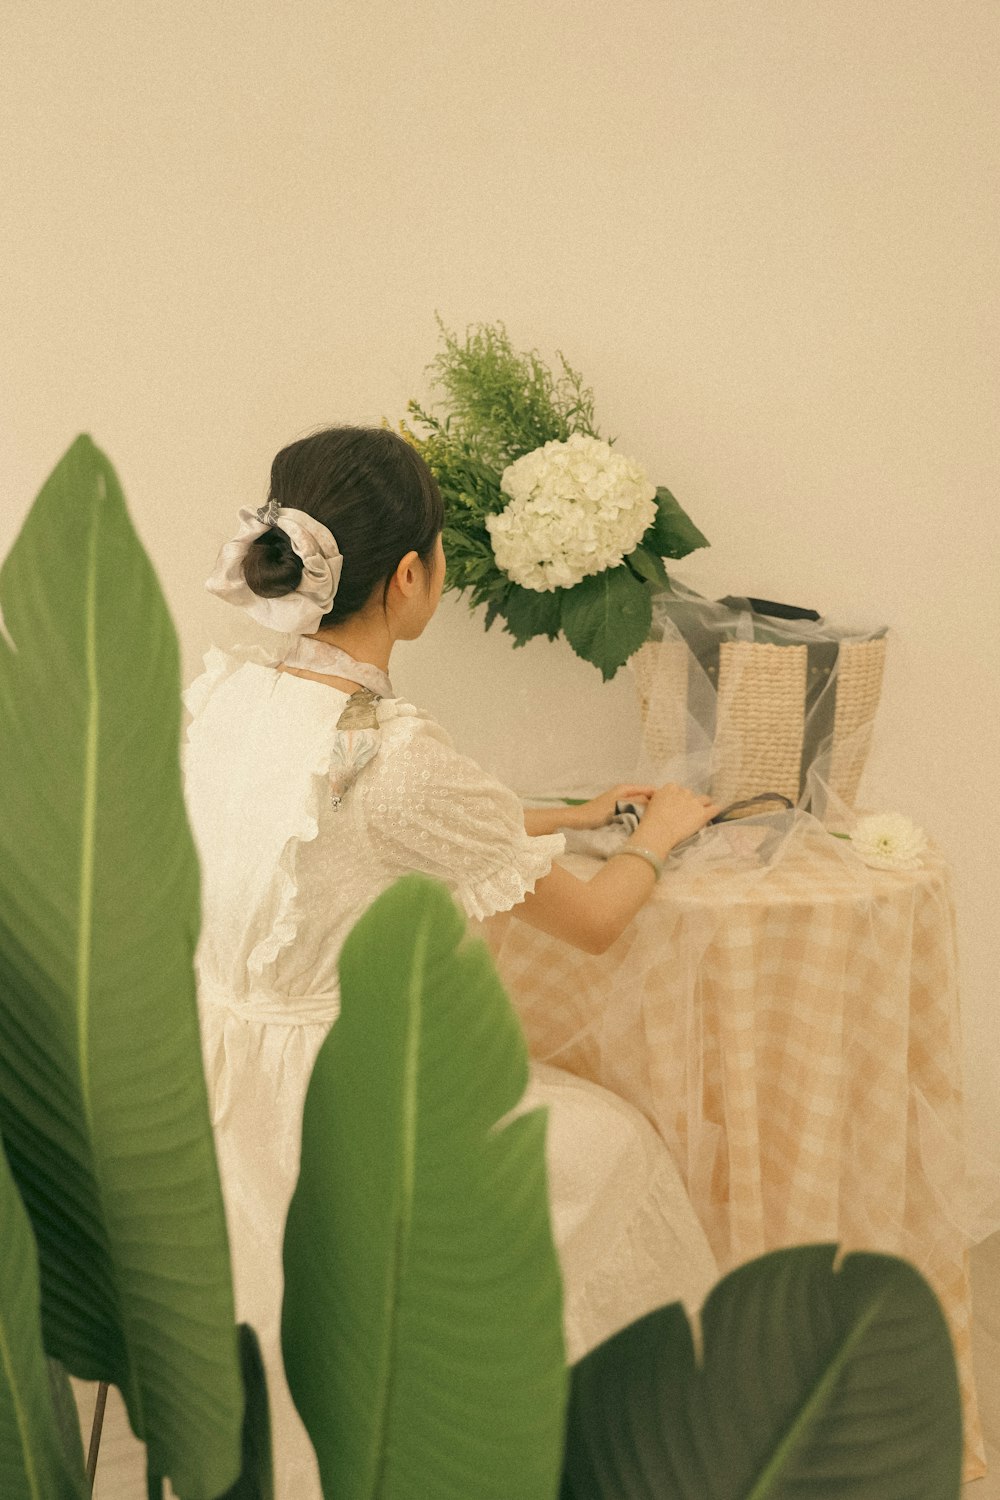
(297, 613)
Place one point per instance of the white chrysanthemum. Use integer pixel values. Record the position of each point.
(889, 841)
(575, 508)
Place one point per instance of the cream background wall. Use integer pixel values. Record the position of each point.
(765, 231)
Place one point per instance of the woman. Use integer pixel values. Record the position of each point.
(302, 820)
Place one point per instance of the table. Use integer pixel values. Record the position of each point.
(793, 1032)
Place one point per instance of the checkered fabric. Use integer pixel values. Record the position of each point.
(797, 1044)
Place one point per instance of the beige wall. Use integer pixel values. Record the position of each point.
(764, 230)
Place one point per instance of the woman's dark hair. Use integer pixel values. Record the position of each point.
(372, 490)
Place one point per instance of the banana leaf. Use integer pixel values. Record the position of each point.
(256, 1480)
(422, 1327)
(103, 1104)
(812, 1382)
(36, 1460)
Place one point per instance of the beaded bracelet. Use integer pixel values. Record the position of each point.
(655, 863)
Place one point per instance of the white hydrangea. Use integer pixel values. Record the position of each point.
(889, 841)
(575, 508)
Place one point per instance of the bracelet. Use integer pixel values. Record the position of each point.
(654, 862)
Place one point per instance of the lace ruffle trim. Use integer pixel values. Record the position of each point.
(219, 665)
(286, 922)
(506, 887)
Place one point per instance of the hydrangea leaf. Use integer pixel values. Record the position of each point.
(493, 611)
(649, 566)
(607, 617)
(531, 612)
(673, 533)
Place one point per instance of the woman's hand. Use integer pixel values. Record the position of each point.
(674, 814)
(601, 810)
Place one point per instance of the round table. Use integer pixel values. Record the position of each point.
(793, 1033)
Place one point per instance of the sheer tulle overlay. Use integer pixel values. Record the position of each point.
(789, 1020)
(286, 874)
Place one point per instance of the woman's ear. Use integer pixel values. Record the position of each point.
(407, 577)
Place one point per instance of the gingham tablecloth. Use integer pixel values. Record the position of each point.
(799, 1050)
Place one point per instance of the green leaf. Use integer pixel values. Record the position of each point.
(64, 1406)
(607, 617)
(256, 1481)
(813, 1382)
(421, 1322)
(102, 1096)
(34, 1461)
(649, 566)
(673, 533)
(529, 612)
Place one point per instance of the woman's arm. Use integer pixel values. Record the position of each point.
(593, 914)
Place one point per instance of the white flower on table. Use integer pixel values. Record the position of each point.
(575, 508)
(888, 841)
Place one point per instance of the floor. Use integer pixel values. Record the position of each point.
(985, 1260)
(120, 1473)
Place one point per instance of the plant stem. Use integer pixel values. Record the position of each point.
(95, 1431)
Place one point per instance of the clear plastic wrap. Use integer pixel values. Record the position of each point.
(736, 702)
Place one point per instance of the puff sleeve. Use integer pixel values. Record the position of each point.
(430, 809)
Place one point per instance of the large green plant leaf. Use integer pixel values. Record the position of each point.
(67, 1413)
(531, 612)
(607, 617)
(422, 1325)
(814, 1382)
(673, 533)
(35, 1461)
(102, 1096)
(648, 564)
(256, 1481)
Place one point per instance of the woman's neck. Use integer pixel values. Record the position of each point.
(371, 643)
(324, 660)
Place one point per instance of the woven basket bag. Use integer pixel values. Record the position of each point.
(774, 708)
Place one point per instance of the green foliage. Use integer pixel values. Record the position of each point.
(531, 612)
(496, 405)
(811, 1382)
(256, 1475)
(503, 404)
(471, 492)
(648, 566)
(673, 533)
(607, 617)
(34, 1461)
(422, 1316)
(103, 1104)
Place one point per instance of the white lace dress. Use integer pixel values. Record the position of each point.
(285, 875)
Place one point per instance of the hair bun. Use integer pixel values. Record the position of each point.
(272, 567)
